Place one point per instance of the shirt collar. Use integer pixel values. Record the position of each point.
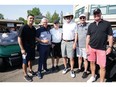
(46, 29)
(99, 21)
(84, 24)
(70, 22)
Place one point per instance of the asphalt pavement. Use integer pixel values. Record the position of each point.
(15, 74)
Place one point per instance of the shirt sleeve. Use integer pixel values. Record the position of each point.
(38, 33)
(61, 30)
(88, 31)
(110, 32)
(51, 31)
(20, 34)
(76, 28)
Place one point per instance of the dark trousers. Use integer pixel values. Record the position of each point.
(43, 53)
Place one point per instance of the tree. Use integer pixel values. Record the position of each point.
(49, 17)
(22, 19)
(1, 16)
(55, 16)
(35, 11)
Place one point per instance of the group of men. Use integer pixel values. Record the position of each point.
(89, 40)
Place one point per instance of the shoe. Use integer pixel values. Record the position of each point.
(84, 75)
(57, 68)
(27, 78)
(78, 71)
(39, 75)
(72, 74)
(32, 73)
(92, 79)
(64, 71)
(53, 69)
(47, 71)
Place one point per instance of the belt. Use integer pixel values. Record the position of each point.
(68, 40)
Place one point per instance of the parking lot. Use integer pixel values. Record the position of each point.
(14, 74)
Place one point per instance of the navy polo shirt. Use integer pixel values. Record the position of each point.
(44, 34)
(99, 34)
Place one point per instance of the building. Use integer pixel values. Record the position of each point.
(108, 12)
(10, 23)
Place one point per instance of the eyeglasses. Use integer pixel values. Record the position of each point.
(82, 17)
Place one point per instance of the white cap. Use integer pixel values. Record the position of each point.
(82, 15)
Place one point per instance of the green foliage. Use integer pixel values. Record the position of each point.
(49, 17)
(55, 16)
(35, 11)
(38, 16)
(1, 16)
(37, 21)
(25, 22)
(22, 19)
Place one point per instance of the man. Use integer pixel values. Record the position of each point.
(26, 40)
(99, 32)
(69, 41)
(81, 49)
(43, 36)
(56, 33)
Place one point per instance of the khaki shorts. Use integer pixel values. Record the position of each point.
(81, 52)
(67, 49)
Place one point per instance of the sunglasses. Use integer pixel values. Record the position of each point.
(67, 17)
(82, 17)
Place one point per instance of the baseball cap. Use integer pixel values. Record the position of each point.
(96, 11)
(56, 22)
(82, 15)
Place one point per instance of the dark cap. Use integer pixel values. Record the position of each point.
(56, 22)
(96, 11)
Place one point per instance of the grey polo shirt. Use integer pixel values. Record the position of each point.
(82, 33)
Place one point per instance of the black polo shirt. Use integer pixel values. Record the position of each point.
(27, 35)
(99, 34)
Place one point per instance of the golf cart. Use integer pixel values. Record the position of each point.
(9, 48)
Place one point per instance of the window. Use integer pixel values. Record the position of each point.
(92, 8)
(103, 10)
(91, 11)
(112, 9)
(79, 12)
(102, 7)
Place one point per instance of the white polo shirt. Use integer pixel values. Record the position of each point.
(56, 35)
(69, 30)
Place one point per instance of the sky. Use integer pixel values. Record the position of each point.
(13, 12)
